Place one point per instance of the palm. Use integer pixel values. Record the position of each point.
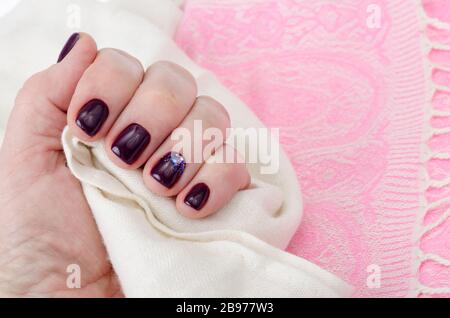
(49, 225)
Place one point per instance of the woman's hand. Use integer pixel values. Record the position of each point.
(46, 223)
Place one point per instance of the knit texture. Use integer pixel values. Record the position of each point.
(363, 111)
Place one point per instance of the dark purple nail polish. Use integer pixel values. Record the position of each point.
(68, 46)
(169, 169)
(197, 197)
(92, 116)
(131, 142)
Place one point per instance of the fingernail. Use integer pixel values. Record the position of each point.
(131, 142)
(197, 197)
(68, 46)
(92, 116)
(169, 169)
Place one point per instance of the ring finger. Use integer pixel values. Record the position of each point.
(169, 170)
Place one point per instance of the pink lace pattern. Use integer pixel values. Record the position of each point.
(350, 97)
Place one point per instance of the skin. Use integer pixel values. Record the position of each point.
(46, 223)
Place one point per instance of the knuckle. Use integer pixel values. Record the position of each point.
(213, 111)
(167, 65)
(173, 70)
(35, 83)
(166, 101)
(121, 62)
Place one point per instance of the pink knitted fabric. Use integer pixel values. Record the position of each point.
(349, 85)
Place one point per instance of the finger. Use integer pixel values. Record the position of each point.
(57, 83)
(102, 93)
(45, 96)
(169, 170)
(213, 186)
(76, 56)
(158, 106)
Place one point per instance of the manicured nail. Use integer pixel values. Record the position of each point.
(169, 169)
(92, 116)
(68, 46)
(131, 142)
(197, 197)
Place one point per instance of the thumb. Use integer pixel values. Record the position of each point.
(77, 54)
(38, 116)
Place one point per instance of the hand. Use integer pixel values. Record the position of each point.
(46, 223)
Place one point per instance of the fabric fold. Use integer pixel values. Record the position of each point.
(153, 260)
